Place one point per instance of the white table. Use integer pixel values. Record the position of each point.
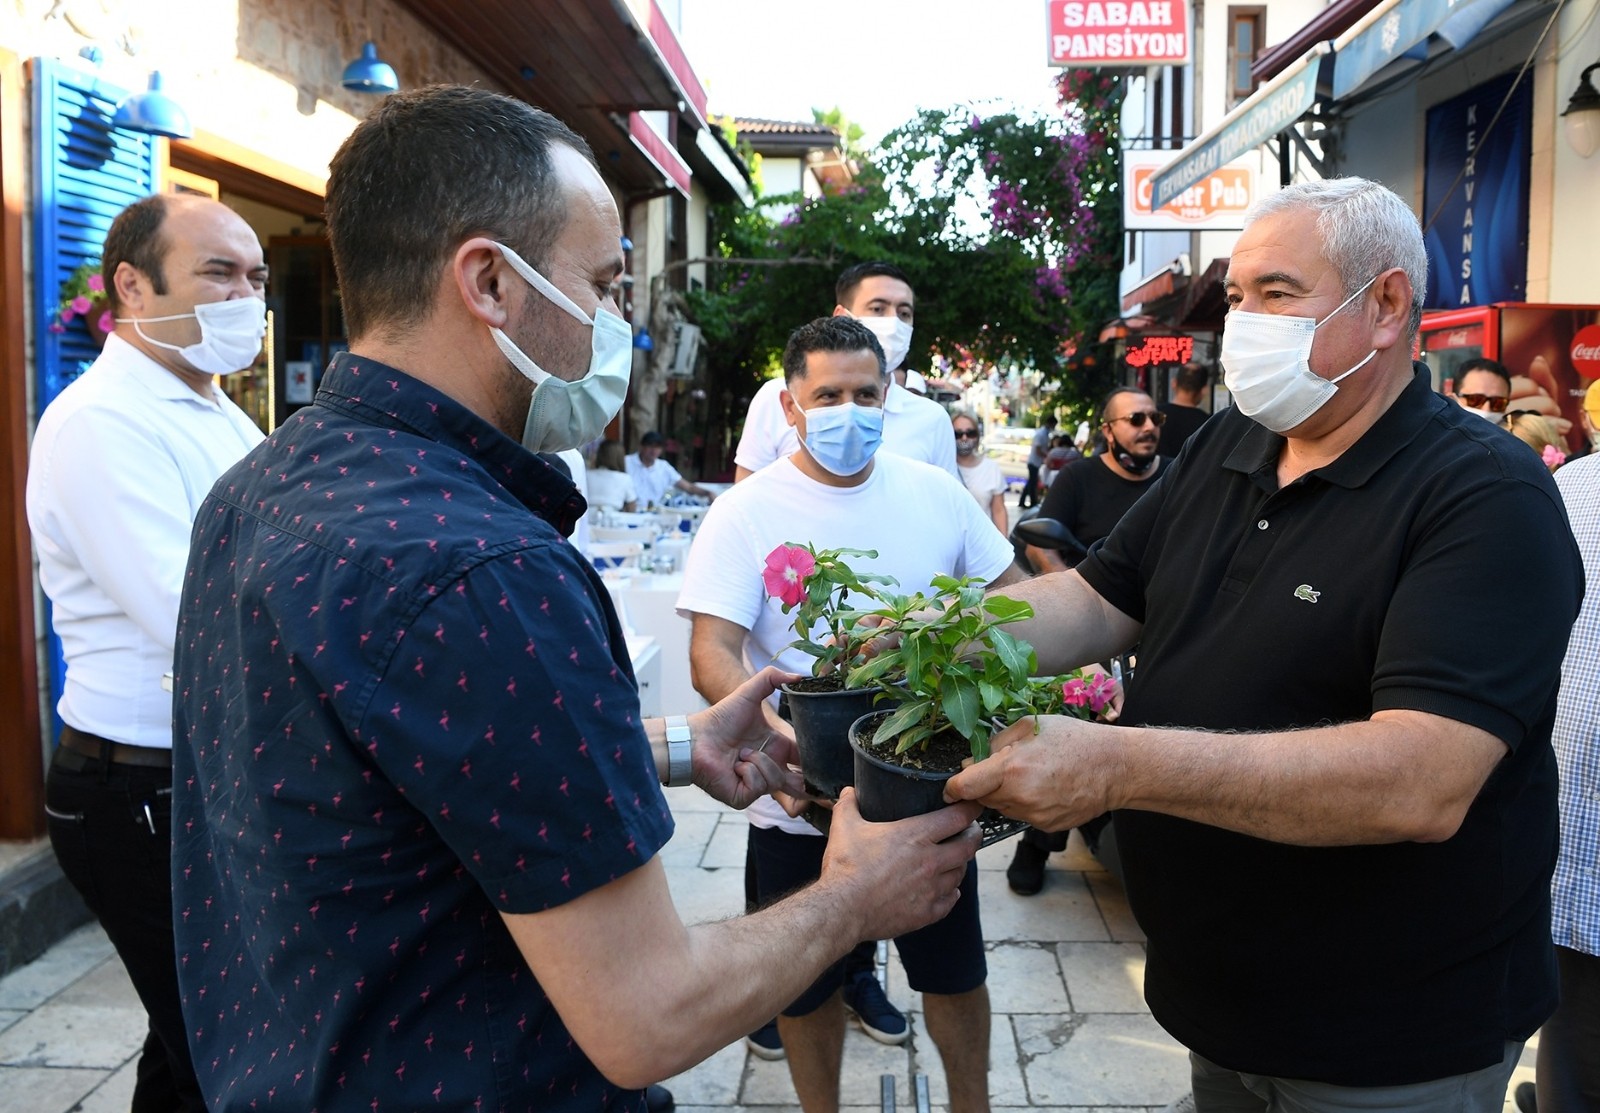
(648, 603)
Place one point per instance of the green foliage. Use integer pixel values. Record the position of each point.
(821, 605)
(1030, 282)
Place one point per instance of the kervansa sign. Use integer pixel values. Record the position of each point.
(1118, 32)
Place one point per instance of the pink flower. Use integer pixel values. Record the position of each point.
(786, 572)
(107, 323)
(57, 326)
(82, 304)
(67, 316)
(1553, 457)
(96, 283)
(1095, 693)
(1075, 693)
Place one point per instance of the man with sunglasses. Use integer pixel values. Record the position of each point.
(1336, 814)
(1089, 497)
(1483, 386)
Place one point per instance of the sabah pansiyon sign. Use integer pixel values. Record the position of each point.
(1118, 32)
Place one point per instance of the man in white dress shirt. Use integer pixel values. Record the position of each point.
(120, 463)
(653, 478)
(880, 296)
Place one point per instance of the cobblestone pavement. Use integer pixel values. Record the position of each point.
(1066, 968)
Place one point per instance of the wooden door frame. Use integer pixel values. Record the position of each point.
(22, 743)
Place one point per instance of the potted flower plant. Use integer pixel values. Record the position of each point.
(958, 678)
(83, 294)
(816, 586)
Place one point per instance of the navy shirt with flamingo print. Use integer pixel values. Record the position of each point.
(403, 707)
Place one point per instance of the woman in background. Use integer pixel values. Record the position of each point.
(981, 475)
(610, 487)
(1538, 433)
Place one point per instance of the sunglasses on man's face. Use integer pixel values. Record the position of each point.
(1137, 420)
(966, 434)
(1478, 401)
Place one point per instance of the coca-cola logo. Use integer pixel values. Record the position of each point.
(1586, 352)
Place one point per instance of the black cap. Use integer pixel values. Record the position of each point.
(652, 437)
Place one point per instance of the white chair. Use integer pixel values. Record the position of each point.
(619, 533)
(615, 554)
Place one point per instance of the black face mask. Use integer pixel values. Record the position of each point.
(1125, 458)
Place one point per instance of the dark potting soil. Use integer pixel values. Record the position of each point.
(833, 682)
(944, 754)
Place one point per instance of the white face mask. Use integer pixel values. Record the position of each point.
(893, 334)
(1266, 364)
(565, 415)
(230, 335)
(1486, 413)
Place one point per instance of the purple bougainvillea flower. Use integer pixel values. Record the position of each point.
(786, 572)
(81, 304)
(96, 283)
(106, 323)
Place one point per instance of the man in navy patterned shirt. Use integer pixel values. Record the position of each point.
(416, 811)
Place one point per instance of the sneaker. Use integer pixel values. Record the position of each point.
(658, 1099)
(765, 1043)
(1526, 1098)
(1025, 875)
(1184, 1104)
(863, 996)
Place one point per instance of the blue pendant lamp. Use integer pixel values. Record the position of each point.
(369, 73)
(153, 113)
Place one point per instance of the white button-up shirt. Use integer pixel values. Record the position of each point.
(120, 463)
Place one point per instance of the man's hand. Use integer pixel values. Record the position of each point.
(898, 876)
(740, 752)
(1055, 778)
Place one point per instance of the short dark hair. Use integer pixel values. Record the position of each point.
(426, 170)
(1484, 363)
(652, 437)
(829, 334)
(136, 238)
(854, 276)
(1105, 403)
(1191, 377)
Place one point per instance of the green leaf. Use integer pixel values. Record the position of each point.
(905, 715)
(1007, 610)
(960, 705)
(1013, 653)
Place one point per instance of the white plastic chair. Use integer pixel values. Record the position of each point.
(615, 554)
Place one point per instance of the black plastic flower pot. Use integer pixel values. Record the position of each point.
(821, 723)
(886, 791)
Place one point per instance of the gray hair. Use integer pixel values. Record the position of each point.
(963, 411)
(1365, 228)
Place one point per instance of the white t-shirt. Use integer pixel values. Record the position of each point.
(921, 522)
(913, 427)
(120, 464)
(651, 483)
(610, 490)
(984, 480)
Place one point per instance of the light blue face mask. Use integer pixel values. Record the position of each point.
(843, 439)
(565, 414)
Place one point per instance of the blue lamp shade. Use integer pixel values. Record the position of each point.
(153, 113)
(643, 342)
(369, 73)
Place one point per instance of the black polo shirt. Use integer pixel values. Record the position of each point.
(1429, 568)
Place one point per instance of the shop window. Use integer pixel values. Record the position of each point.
(1245, 28)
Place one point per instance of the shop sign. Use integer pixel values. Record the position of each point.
(1159, 351)
(1118, 32)
(1586, 352)
(1217, 201)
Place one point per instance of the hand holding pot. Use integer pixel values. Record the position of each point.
(740, 753)
(1055, 779)
(898, 876)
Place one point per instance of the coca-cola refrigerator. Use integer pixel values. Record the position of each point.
(1552, 352)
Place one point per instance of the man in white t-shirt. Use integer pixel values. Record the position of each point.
(878, 295)
(654, 478)
(834, 491)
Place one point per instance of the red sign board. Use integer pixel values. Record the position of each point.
(1586, 352)
(1118, 32)
(1159, 350)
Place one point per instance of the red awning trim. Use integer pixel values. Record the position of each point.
(660, 152)
(1333, 21)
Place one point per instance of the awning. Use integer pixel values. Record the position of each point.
(1269, 110)
(1394, 28)
(661, 154)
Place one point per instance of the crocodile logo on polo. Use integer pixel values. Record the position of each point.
(1307, 593)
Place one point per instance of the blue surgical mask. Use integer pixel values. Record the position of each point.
(843, 439)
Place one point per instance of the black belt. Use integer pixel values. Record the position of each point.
(76, 742)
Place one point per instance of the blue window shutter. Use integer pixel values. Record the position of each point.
(85, 173)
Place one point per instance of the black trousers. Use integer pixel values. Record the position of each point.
(111, 829)
(1569, 1043)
